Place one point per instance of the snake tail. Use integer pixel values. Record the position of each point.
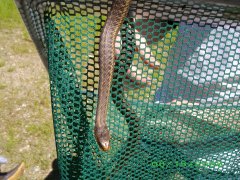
(110, 30)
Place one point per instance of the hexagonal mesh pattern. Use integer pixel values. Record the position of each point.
(174, 106)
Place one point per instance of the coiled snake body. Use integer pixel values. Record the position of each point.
(109, 33)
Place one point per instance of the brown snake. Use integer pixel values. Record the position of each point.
(109, 33)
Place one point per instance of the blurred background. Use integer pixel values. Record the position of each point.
(26, 126)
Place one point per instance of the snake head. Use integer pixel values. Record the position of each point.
(102, 137)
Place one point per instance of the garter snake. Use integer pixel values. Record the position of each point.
(108, 36)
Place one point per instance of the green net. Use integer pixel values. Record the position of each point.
(174, 106)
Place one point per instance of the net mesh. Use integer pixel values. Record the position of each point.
(174, 106)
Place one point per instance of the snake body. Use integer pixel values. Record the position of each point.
(108, 36)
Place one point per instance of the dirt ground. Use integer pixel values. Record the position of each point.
(26, 126)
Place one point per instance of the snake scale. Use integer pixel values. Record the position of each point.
(108, 36)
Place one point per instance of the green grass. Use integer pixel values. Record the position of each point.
(26, 128)
(2, 62)
(12, 141)
(21, 48)
(40, 130)
(11, 69)
(2, 86)
(9, 15)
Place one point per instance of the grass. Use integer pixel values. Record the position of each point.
(2, 62)
(10, 17)
(11, 69)
(2, 86)
(38, 130)
(22, 48)
(26, 127)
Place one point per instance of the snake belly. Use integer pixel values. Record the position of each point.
(108, 36)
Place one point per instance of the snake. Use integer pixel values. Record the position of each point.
(108, 36)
